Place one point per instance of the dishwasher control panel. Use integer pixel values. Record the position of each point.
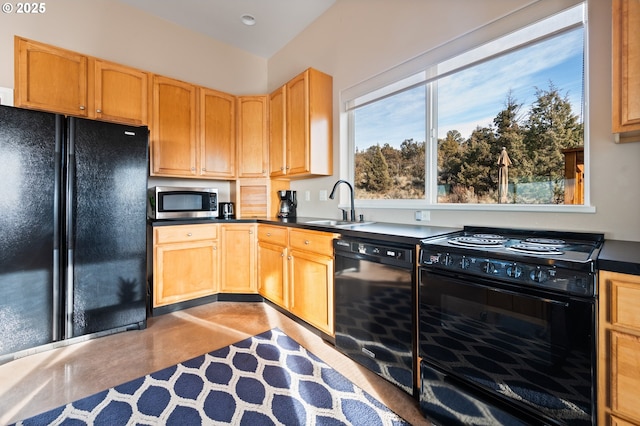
(375, 249)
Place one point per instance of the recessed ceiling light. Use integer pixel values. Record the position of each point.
(248, 20)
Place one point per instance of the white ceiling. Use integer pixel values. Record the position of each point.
(277, 21)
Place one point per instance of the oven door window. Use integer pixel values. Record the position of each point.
(533, 349)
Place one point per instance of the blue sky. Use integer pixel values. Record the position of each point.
(473, 97)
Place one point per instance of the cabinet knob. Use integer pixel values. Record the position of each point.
(251, 232)
(81, 107)
(282, 169)
(189, 234)
(193, 169)
(288, 257)
(215, 247)
(307, 242)
(281, 254)
(99, 111)
(264, 171)
(204, 170)
(268, 234)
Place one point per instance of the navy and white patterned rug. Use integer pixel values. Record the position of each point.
(268, 379)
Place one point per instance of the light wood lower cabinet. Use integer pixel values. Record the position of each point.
(296, 272)
(311, 288)
(239, 254)
(185, 263)
(272, 263)
(619, 349)
(291, 267)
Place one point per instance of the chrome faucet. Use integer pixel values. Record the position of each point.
(353, 208)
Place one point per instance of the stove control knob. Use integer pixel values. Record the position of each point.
(489, 267)
(514, 271)
(464, 262)
(448, 260)
(539, 275)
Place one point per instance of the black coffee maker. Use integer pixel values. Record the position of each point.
(288, 204)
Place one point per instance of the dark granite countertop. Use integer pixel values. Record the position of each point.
(392, 232)
(620, 256)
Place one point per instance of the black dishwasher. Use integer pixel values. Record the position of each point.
(374, 307)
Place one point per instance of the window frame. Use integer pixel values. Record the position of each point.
(420, 67)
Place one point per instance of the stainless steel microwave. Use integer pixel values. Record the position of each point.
(171, 202)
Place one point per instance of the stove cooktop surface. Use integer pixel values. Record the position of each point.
(514, 243)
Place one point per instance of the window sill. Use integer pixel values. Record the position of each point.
(421, 205)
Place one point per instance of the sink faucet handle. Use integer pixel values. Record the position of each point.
(344, 214)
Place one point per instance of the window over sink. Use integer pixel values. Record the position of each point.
(498, 125)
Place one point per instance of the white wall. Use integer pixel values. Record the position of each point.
(357, 39)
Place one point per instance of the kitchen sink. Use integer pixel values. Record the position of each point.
(338, 223)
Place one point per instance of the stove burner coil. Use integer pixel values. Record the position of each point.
(545, 242)
(535, 248)
(479, 240)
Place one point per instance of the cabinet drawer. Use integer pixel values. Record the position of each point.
(182, 233)
(273, 234)
(625, 299)
(317, 242)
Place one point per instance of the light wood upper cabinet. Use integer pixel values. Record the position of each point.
(185, 263)
(626, 70)
(173, 129)
(193, 131)
(619, 349)
(49, 78)
(238, 269)
(277, 132)
(217, 128)
(307, 126)
(253, 136)
(66, 82)
(119, 93)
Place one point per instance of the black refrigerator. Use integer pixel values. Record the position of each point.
(72, 229)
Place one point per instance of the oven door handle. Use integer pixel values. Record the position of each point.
(481, 283)
(528, 296)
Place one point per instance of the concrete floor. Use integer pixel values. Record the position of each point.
(46, 380)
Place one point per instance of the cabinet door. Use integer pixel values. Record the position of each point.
(49, 78)
(184, 271)
(618, 348)
(217, 134)
(297, 119)
(238, 258)
(272, 269)
(253, 138)
(625, 374)
(277, 133)
(311, 289)
(121, 93)
(626, 68)
(173, 129)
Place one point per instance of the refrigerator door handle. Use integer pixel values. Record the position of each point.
(68, 230)
(56, 323)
